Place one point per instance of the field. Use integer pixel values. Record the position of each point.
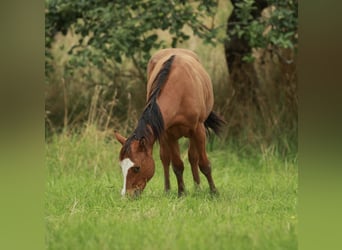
(256, 207)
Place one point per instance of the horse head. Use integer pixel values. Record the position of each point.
(136, 163)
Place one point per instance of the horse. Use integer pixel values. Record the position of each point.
(179, 103)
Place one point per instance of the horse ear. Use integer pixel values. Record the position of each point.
(144, 145)
(120, 138)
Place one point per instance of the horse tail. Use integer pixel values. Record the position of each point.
(214, 122)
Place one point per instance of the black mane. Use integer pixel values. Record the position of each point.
(151, 118)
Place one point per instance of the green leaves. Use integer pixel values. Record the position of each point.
(276, 28)
(123, 28)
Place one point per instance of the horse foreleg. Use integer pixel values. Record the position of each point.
(165, 159)
(204, 164)
(193, 159)
(177, 165)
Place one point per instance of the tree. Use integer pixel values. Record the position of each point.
(116, 29)
(111, 33)
(267, 28)
(247, 30)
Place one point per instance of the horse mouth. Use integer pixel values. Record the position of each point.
(135, 193)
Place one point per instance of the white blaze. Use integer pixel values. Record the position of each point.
(125, 165)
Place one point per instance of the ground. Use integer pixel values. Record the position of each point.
(255, 209)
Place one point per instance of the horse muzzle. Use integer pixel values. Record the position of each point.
(134, 193)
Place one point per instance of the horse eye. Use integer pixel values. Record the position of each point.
(136, 169)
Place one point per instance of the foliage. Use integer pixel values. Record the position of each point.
(277, 30)
(112, 30)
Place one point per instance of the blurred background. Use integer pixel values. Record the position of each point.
(96, 54)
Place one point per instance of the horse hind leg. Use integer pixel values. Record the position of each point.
(193, 159)
(204, 164)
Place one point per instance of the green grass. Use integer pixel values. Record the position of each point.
(256, 208)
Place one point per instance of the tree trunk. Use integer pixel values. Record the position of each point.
(243, 76)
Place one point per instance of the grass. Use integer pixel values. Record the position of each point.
(256, 208)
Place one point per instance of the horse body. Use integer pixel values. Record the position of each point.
(187, 98)
(179, 104)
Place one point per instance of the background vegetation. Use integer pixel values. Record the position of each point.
(96, 55)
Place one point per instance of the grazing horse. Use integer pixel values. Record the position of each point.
(179, 104)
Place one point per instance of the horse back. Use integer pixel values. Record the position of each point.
(164, 53)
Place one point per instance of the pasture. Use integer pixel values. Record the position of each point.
(255, 208)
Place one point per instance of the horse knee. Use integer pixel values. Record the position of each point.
(178, 168)
(193, 159)
(164, 157)
(205, 169)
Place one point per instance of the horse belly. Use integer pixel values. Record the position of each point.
(178, 131)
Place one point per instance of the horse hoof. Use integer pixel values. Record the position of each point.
(214, 192)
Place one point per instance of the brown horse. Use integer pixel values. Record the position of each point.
(179, 104)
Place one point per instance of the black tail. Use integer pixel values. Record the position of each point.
(214, 122)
